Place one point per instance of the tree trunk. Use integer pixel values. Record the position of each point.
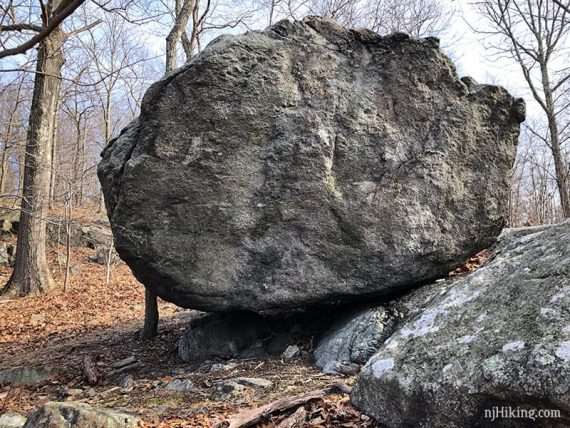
(31, 274)
(150, 328)
(52, 173)
(559, 168)
(4, 161)
(8, 143)
(182, 13)
(107, 136)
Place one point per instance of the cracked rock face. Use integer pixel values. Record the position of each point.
(308, 163)
(500, 337)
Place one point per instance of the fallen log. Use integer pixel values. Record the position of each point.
(253, 416)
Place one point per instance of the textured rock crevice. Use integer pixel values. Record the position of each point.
(305, 164)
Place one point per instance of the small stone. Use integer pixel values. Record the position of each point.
(12, 420)
(292, 351)
(38, 318)
(221, 335)
(181, 385)
(352, 340)
(222, 367)
(253, 382)
(125, 362)
(126, 381)
(70, 392)
(230, 386)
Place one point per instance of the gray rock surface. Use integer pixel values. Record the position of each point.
(12, 420)
(4, 255)
(353, 340)
(229, 386)
(78, 415)
(9, 220)
(181, 385)
(29, 375)
(89, 234)
(305, 164)
(497, 337)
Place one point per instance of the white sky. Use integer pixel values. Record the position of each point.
(472, 58)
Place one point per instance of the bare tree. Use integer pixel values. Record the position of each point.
(182, 11)
(345, 12)
(31, 274)
(533, 198)
(53, 14)
(534, 34)
(563, 5)
(13, 100)
(419, 18)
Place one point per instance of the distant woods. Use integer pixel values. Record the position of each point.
(535, 35)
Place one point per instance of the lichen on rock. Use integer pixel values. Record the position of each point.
(489, 343)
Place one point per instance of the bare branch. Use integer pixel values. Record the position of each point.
(63, 11)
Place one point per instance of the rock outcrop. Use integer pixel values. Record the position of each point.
(12, 420)
(353, 340)
(497, 339)
(305, 164)
(78, 415)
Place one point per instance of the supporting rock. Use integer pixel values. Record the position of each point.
(497, 338)
(353, 340)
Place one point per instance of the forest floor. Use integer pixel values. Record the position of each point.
(99, 324)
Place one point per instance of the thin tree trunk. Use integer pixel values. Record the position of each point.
(67, 244)
(181, 19)
(107, 136)
(109, 263)
(31, 274)
(150, 328)
(559, 168)
(4, 160)
(8, 142)
(53, 157)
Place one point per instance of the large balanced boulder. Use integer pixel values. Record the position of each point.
(308, 163)
(492, 350)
